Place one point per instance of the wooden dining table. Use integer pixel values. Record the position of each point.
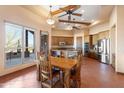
(66, 65)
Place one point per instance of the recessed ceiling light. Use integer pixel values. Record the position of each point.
(77, 24)
(92, 20)
(82, 11)
(64, 23)
(96, 22)
(82, 19)
(53, 26)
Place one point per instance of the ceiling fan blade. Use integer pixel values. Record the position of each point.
(76, 28)
(76, 14)
(63, 9)
(77, 7)
(56, 12)
(70, 7)
(62, 15)
(85, 23)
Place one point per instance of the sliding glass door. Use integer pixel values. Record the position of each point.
(13, 44)
(19, 45)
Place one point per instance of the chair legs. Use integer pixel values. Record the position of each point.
(62, 80)
(41, 80)
(77, 83)
(41, 85)
(51, 83)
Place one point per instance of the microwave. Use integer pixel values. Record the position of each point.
(61, 43)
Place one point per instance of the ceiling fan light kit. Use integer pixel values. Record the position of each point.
(69, 27)
(82, 19)
(50, 21)
(82, 11)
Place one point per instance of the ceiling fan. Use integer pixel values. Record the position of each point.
(75, 27)
(70, 10)
(66, 8)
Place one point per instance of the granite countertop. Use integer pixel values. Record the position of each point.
(62, 48)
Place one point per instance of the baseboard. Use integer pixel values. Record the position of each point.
(120, 73)
(19, 67)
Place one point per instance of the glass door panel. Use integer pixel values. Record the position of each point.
(13, 45)
(29, 51)
(19, 45)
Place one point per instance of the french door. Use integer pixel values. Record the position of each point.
(19, 45)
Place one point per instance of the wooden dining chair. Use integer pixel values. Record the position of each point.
(47, 75)
(75, 76)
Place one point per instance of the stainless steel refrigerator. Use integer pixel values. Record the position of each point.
(104, 50)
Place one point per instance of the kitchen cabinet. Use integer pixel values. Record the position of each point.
(103, 35)
(57, 39)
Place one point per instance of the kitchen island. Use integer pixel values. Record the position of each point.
(64, 52)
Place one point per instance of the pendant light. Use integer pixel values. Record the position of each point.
(50, 20)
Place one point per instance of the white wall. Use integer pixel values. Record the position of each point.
(21, 16)
(112, 34)
(113, 17)
(99, 28)
(79, 33)
(60, 32)
(117, 19)
(120, 39)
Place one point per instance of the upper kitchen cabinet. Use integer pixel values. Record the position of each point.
(56, 40)
(62, 38)
(98, 36)
(95, 38)
(104, 34)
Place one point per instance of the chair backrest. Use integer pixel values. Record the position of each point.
(45, 66)
(40, 56)
(78, 72)
(78, 66)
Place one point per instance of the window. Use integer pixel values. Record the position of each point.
(17, 49)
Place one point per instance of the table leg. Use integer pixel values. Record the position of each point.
(62, 79)
(66, 79)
